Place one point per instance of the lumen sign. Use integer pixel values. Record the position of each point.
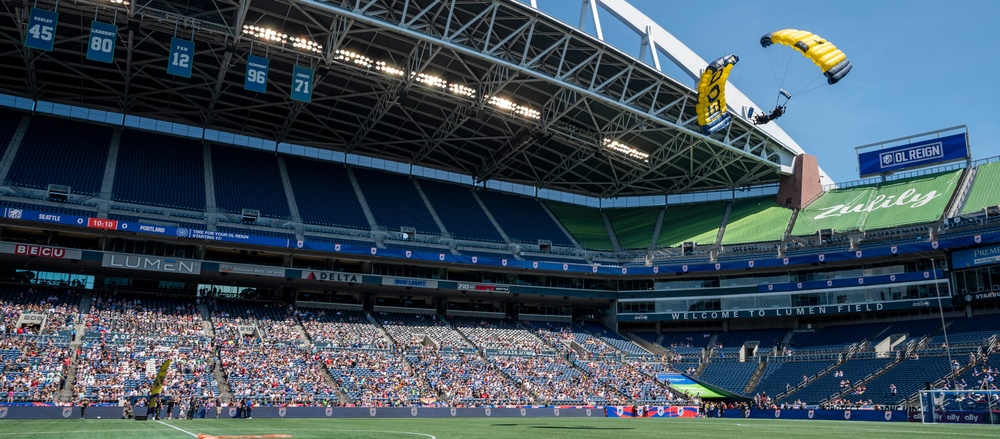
(151, 263)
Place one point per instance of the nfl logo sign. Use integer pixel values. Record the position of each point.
(66, 412)
(777, 413)
(857, 254)
(299, 244)
(336, 247)
(441, 257)
(847, 414)
(534, 264)
(282, 411)
(409, 253)
(555, 411)
(524, 412)
(413, 411)
(718, 266)
(329, 411)
(810, 414)
(3, 412)
(374, 250)
(454, 411)
(593, 269)
(475, 259)
(934, 245)
(888, 415)
(232, 412)
(770, 287)
(892, 278)
(978, 238)
(893, 249)
(565, 267)
(503, 262)
(372, 412)
(588, 412)
(822, 258)
(488, 412)
(829, 283)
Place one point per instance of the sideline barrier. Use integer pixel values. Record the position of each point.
(824, 415)
(651, 411)
(322, 412)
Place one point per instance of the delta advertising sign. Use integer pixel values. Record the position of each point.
(913, 155)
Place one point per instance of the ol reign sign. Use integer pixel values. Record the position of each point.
(923, 153)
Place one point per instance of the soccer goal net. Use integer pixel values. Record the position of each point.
(960, 406)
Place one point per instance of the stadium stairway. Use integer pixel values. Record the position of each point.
(13, 146)
(206, 156)
(430, 208)
(962, 193)
(107, 184)
(361, 200)
(489, 215)
(615, 245)
(657, 227)
(725, 221)
(654, 348)
(293, 207)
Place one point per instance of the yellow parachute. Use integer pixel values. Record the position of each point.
(160, 377)
(712, 113)
(824, 54)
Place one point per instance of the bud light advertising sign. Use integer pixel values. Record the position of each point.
(913, 155)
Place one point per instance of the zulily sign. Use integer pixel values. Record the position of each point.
(914, 155)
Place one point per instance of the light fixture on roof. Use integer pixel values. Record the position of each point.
(625, 150)
(307, 44)
(519, 110)
(118, 2)
(355, 58)
(265, 34)
(432, 81)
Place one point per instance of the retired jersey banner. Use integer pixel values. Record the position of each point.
(302, 84)
(101, 45)
(256, 77)
(41, 32)
(181, 59)
(928, 152)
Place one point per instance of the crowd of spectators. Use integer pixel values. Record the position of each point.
(499, 334)
(468, 380)
(554, 381)
(340, 329)
(631, 382)
(32, 370)
(60, 309)
(376, 378)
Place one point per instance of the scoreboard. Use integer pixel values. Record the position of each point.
(40, 34)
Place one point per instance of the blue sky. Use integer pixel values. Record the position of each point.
(919, 65)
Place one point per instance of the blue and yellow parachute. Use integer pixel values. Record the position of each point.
(712, 113)
(161, 376)
(831, 60)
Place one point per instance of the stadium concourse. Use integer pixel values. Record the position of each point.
(376, 236)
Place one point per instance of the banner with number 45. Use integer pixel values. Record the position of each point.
(41, 32)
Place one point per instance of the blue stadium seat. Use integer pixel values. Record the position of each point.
(523, 219)
(160, 170)
(324, 194)
(394, 201)
(62, 151)
(248, 179)
(459, 211)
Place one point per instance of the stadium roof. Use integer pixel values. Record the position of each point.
(493, 89)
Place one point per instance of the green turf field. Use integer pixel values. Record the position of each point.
(489, 428)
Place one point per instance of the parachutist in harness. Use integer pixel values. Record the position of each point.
(763, 118)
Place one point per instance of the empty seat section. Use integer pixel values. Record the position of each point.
(835, 338)
(234, 169)
(854, 371)
(909, 376)
(9, 120)
(697, 222)
(394, 201)
(324, 194)
(828, 211)
(984, 190)
(523, 219)
(62, 151)
(924, 199)
(756, 220)
(586, 224)
(458, 209)
(634, 226)
(972, 331)
(731, 376)
(256, 232)
(160, 170)
(788, 375)
(768, 338)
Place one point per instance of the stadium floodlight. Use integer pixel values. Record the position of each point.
(383, 67)
(354, 58)
(307, 44)
(263, 33)
(519, 110)
(626, 150)
(432, 81)
(462, 90)
(118, 2)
